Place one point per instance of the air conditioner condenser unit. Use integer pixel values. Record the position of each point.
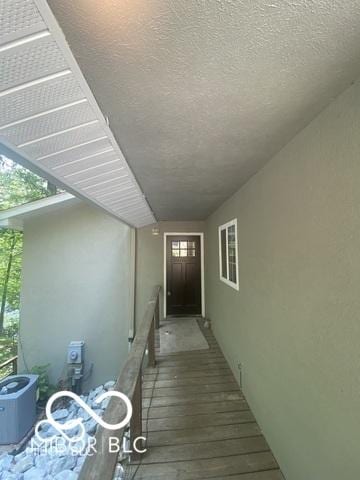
(17, 407)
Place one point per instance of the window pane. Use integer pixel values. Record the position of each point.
(232, 272)
(223, 254)
(232, 253)
(191, 253)
(175, 252)
(175, 244)
(183, 245)
(183, 253)
(191, 244)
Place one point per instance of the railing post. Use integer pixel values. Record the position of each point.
(157, 314)
(136, 420)
(10, 363)
(151, 345)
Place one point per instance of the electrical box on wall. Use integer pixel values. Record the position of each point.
(76, 352)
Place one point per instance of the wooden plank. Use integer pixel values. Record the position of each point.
(157, 314)
(9, 361)
(179, 382)
(195, 367)
(209, 339)
(212, 467)
(151, 345)
(200, 354)
(212, 352)
(201, 451)
(180, 363)
(202, 434)
(195, 421)
(152, 374)
(136, 419)
(192, 389)
(212, 355)
(13, 361)
(196, 409)
(190, 399)
(267, 475)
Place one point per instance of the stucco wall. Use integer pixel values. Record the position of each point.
(150, 260)
(294, 324)
(75, 286)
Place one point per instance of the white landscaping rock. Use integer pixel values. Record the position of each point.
(60, 414)
(66, 475)
(81, 446)
(43, 461)
(11, 476)
(20, 456)
(23, 465)
(74, 432)
(105, 403)
(64, 463)
(80, 461)
(44, 427)
(109, 385)
(98, 390)
(99, 411)
(119, 473)
(95, 393)
(84, 415)
(73, 407)
(90, 426)
(50, 432)
(35, 474)
(6, 461)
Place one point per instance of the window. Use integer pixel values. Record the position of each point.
(228, 254)
(182, 248)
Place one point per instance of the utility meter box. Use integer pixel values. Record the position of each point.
(76, 352)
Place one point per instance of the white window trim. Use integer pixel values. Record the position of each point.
(225, 227)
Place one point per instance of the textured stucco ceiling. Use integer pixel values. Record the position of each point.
(201, 93)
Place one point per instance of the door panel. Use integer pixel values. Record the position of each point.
(190, 292)
(183, 275)
(176, 288)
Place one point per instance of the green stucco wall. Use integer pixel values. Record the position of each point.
(294, 324)
(75, 286)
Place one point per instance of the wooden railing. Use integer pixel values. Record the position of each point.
(102, 464)
(5, 365)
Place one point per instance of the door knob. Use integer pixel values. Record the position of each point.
(168, 294)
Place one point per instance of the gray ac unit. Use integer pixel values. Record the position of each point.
(17, 407)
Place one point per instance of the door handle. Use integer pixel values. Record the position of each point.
(169, 294)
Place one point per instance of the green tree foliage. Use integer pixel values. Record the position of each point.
(17, 186)
(10, 270)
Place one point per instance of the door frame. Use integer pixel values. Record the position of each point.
(202, 262)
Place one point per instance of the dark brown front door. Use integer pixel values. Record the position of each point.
(183, 275)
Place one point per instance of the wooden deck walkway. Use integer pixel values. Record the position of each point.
(198, 423)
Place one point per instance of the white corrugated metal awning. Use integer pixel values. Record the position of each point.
(50, 120)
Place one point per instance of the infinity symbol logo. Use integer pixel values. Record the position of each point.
(78, 422)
